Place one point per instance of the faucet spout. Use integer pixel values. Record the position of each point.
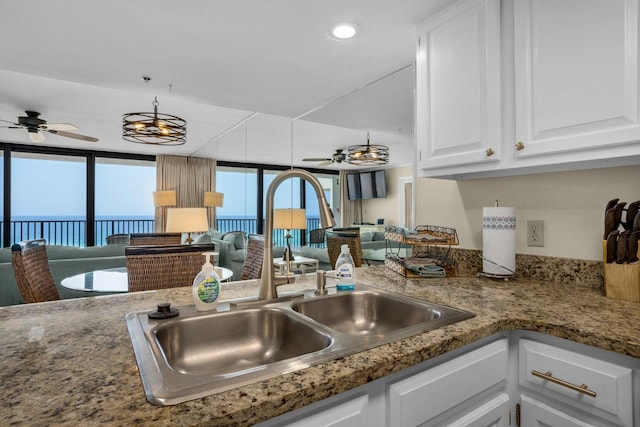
(267, 282)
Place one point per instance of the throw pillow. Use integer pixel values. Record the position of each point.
(366, 237)
(378, 235)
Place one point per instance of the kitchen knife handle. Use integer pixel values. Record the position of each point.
(632, 246)
(612, 239)
(621, 250)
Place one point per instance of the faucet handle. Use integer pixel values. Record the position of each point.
(321, 282)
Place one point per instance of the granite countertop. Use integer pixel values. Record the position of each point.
(70, 362)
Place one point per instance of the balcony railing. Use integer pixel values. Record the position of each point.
(72, 232)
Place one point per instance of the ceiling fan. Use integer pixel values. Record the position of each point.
(35, 127)
(337, 157)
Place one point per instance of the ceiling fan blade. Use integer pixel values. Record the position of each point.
(60, 126)
(13, 123)
(327, 162)
(316, 159)
(36, 136)
(72, 135)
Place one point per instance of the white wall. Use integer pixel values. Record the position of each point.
(571, 204)
(389, 207)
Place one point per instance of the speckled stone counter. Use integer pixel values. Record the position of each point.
(71, 362)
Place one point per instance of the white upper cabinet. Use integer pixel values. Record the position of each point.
(576, 75)
(458, 86)
(564, 94)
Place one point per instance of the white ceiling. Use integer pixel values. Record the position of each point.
(238, 71)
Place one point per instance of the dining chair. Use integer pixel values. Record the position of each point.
(316, 237)
(148, 239)
(31, 268)
(164, 266)
(344, 236)
(252, 268)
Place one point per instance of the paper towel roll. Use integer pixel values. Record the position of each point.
(499, 241)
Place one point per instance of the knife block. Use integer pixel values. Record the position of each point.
(622, 281)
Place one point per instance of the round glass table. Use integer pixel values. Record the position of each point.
(114, 280)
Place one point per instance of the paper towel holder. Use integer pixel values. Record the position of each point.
(504, 277)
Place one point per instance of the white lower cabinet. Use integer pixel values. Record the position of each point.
(422, 398)
(518, 379)
(494, 413)
(537, 414)
(573, 381)
(352, 413)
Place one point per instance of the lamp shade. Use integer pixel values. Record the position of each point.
(187, 220)
(164, 198)
(290, 219)
(213, 199)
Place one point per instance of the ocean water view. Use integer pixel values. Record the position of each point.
(70, 230)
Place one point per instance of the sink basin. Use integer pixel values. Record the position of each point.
(198, 354)
(236, 341)
(367, 312)
(376, 313)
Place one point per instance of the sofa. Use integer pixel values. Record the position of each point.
(232, 251)
(64, 261)
(373, 248)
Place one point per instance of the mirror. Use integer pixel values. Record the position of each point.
(383, 107)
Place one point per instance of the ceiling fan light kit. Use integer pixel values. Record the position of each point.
(368, 154)
(337, 157)
(154, 128)
(35, 126)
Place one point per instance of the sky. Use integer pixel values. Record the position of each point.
(44, 187)
(58, 188)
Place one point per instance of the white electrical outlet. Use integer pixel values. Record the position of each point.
(535, 233)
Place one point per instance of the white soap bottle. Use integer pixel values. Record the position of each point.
(345, 270)
(206, 286)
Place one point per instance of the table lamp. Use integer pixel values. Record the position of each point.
(289, 219)
(187, 220)
(161, 200)
(213, 199)
(164, 198)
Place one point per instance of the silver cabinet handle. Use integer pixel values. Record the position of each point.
(519, 145)
(584, 389)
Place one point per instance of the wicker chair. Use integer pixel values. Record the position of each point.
(118, 239)
(148, 239)
(252, 268)
(162, 267)
(316, 237)
(31, 268)
(344, 236)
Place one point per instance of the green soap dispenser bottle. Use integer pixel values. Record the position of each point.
(206, 286)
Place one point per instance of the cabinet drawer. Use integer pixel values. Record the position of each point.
(419, 398)
(611, 384)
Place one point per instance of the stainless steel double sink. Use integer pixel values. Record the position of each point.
(201, 353)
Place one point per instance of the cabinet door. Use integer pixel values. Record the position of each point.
(494, 413)
(536, 414)
(458, 86)
(420, 398)
(352, 413)
(611, 384)
(576, 78)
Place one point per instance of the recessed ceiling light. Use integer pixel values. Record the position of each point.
(343, 30)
